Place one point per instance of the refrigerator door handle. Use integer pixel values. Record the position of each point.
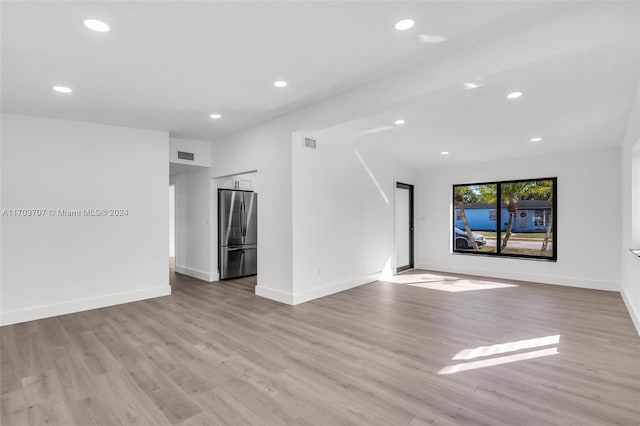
(243, 219)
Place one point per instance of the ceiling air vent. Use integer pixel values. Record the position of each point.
(186, 156)
(310, 143)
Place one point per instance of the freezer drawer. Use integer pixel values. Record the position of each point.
(238, 262)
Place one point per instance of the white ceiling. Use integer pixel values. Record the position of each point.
(575, 101)
(179, 168)
(168, 65)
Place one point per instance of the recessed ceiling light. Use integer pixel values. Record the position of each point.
(514, 95)
(536, 139)
(399, 122)
(280, 83)
(431, 38)
(444, 153)
(95, 25)
(215, 116)
(62, 89)
(404, 24)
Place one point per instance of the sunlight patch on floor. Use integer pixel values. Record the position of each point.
(461, 285)
(490, 362)
(481, 351)
(445, 283)
(489, 351)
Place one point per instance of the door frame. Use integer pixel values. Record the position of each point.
(172, 220)
(411, 227)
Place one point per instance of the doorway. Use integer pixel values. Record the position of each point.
(404, 226)
(237, 215)
(172, 227)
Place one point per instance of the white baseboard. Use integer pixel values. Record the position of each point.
(332, 288)
(633, 313)
(524, 276)
(195, 273)
(79, 305)
(273, 294)
(314, 293)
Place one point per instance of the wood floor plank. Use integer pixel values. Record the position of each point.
(53, 332)
(234, 393)
(90, 411)
(174, 404)
(43, 388)
(13, 410)
(54, 414)
(75, 378)
(177, 369)
(427, 352)
(93, 353)
(132, 406)
(11, 368)
(33, 353)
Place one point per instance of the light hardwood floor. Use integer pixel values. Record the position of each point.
(427, 349)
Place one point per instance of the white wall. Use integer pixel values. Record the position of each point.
(193, 225)
(588, 228)
(630, 215)
(343, 216)
(55, 265)
(275, 151)
(200, 149)
(267, 150)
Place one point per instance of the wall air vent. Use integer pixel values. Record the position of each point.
(186, 155)
(310, 143)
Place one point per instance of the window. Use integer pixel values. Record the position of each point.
(506, 218)
(541, 217)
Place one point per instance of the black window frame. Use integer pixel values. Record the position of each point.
(498, 222)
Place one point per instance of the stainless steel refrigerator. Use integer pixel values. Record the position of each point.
(237, 233)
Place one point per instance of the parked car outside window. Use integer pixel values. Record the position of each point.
(462, 240)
